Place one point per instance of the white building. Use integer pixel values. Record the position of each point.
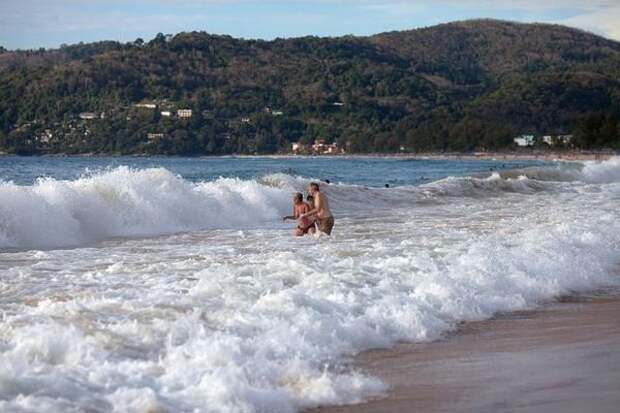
(46, 136)
(320, 146)
(154, 136)
(146, 105)
(277, 113)
(331, 149)
(565, 139)
(557, 140)
(88, 115)
(184, 113)
(166, 113)
(525, 140)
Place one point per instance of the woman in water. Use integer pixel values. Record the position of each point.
(304, 225)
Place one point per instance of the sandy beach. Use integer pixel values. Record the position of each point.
(562, 357)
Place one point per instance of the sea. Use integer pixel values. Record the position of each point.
(172, 284)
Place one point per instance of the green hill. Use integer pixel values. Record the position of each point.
(459, 86)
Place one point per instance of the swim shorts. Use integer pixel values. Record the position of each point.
(326, 225)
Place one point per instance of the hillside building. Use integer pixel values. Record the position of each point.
(320, 147)
(154, 136)
(525, 140)
(565, 139)
(184, 113)
(46, 136)
(298, 147)
(88, 115)
(146, 105)
(557, 139)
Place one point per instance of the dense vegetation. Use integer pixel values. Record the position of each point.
(460, 86)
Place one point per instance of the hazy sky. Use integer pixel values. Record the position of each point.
(48, 23)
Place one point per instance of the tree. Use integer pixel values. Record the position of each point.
(158, 40)
(461, 86)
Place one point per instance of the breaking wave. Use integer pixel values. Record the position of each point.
(124, 202)
(129, 203)
(588, 172)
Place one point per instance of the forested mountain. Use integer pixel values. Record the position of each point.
(459, 86)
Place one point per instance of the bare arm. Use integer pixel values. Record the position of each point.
(294, 216)
(318, 205)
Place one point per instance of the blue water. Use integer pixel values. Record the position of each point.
(375, 172)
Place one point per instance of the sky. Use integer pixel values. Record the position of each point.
(31, 24)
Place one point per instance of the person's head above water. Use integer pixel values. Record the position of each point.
(309, 198)
(313, 187)
(298, 197)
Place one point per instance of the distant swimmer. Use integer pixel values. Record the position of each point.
(324, 217)
(327, 181)
(387, 185)
(304, 224)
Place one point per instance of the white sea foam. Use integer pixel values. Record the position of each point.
(602, 172)
(129, 203)
(589, 171)
(254, 320)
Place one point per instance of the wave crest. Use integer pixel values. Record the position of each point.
(129, 203)
(125, 202)
(588, 172)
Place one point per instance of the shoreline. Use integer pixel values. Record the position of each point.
(498, 156)
(560, 357)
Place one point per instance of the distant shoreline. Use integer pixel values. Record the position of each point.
(508, 156)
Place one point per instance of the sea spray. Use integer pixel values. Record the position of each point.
(124, 202)
(129, 203)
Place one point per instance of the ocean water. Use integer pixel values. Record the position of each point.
(171, 285)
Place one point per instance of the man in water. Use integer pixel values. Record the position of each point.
(324, 217)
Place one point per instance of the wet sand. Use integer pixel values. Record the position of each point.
(564, 357)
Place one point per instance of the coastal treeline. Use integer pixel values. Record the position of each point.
(463, 86)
